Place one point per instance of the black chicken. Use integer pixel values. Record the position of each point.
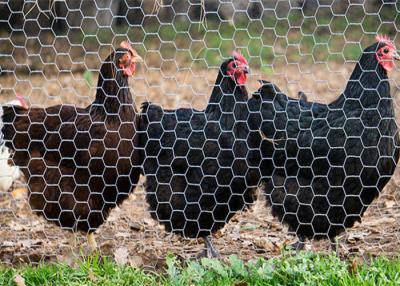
(330, 161)
(199, 168)
(78, 161)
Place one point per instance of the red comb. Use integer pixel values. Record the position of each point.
(384, 39)
(126, 45)
(239, 57)
(22, 102)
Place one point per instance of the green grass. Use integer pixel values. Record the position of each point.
(294, 37)
(302, 269)
(267, 42)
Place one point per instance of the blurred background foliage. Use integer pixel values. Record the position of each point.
(67, 35)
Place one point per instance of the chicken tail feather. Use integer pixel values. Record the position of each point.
(144, 119)
(145, 106)
(8, 113)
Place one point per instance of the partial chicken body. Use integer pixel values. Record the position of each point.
(330, 161)
(8, 174)
(78, 161)
(199, 168)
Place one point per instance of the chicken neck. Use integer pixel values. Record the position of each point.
(224, 97)
(113, 96)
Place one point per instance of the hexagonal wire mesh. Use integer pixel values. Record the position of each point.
(208, 139)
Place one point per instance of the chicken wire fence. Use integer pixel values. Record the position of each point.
(206, 140)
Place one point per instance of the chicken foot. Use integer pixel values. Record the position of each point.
(209, 251)
(298, 245)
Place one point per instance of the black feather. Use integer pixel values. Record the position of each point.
(331, 161)
(198, 165)
(79, 162)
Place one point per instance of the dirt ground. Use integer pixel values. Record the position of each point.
(130, 235)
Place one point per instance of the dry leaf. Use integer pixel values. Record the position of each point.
(8, 243)
(136, 261)
(122, 234)
(136, 226)
(265, 244)
(240, 284)
(16, 226)
(354, 249)
(219, 233)
(28, 243)
(149, 221)
(19, 193)
(235, 235)
(356, 236)
(92, 277)
(390, 203)
(353, 266)
(121, 255)
(380, 222)
(68, 257)
(247, 243)
(115, 215)
(107, 245)
(19, 280)
(250, 226)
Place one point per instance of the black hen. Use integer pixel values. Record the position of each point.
(330, 161)
(199, 168)
(78, 161)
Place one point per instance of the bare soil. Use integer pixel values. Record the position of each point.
(130, 235)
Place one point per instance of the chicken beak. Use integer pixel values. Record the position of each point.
(396, 56)
(247, 69)
(137, 59)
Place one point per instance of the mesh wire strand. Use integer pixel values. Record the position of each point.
(197, 167)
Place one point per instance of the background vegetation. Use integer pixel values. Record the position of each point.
(57, 36)
(302, 269)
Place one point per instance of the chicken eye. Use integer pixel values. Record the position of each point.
(386, 50)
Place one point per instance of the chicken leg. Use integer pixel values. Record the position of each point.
(298, 245)
(209, 251)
